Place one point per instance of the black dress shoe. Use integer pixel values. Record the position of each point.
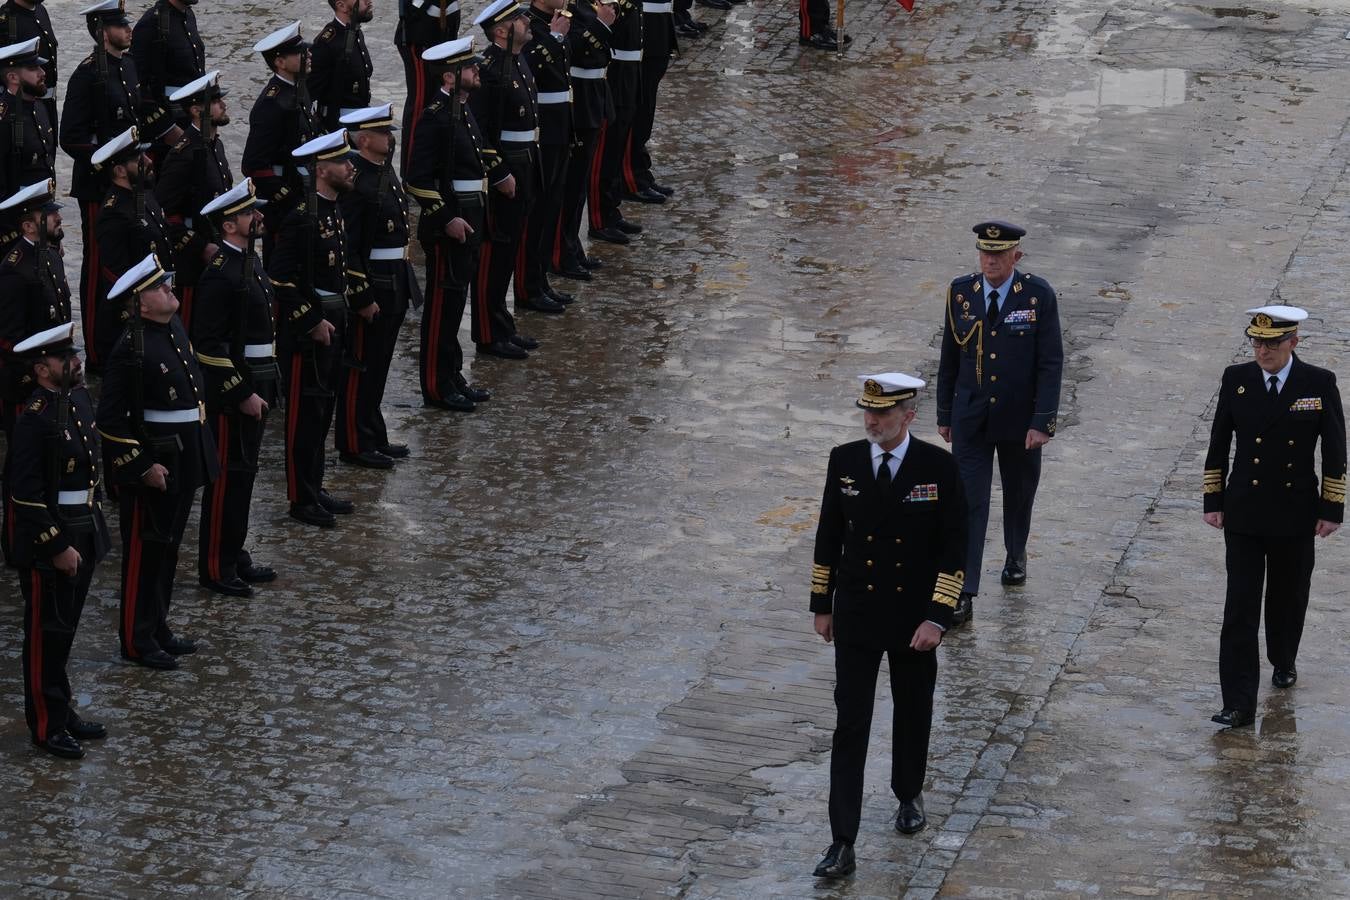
(367, 459)
(502, 349)
(558, 296)
(911, 818)
(476, 394)
(544, 304)
(1234, 718)
(179, 646)
(334, 505)
(644, 195)
(592, 263)
(715, 4)
(628, 227)
(575, 271)
(965, 609)
(1014, 572)
(234, 586)
(687, 30)
(838, 862)
(83, 730)
(395, 451)
(701, 26)
(834, 36)
(524, 342)
(156, 659)
(63, 745)
(255, 574)
(610, 235)
(1284, 678)
(662, 189)
(455, 402)
(313, 514)
(819, 42)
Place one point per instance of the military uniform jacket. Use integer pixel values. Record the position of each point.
(588, 48)
(339, 79)
(426, 23)
(995, 383)
(884, 565)
(124, 238)
(168, 50)
(18, 24)
(625, 76)
(94, 113)
(436, 165)
(231, 329)
(34, 296)
(301, 303)
(1272, 488)
(191, 175)
(547, 58)
(30, 156)
(277, 124)
(375, 216)
(55, 481)
(505, 102)
(171, 381)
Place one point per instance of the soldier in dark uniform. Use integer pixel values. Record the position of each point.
(1268, 503)
(157, 451)
(169, 54)
(375, 215)
(314, 291)
(281, 120)
(546, 56)
(130, 225)
(504, 108)
(889, 550)
(592, 106)
(339, 78)
(659, 44)
(449, 175)
(233, 336)
(422, 24)
(28, 151)
(60, 534)
(625, 88)
(34, 296)
(21, 20)
(998, 393)
(813, 25)
(193, 173)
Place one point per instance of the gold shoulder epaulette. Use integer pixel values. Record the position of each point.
(37, 405)
(13, 256)
(272, 91)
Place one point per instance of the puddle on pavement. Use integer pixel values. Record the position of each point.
(1133, 90)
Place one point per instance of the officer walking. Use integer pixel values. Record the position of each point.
(422, 24)
(314, 293)
(22, 20)
(59, 536)
(233, 336)
(193, 173)
(998, 393)
(339, 78)
(157, 451)
(889, 550)
(449, 175)
(28, 151)
(375, 216)
(1267, 500)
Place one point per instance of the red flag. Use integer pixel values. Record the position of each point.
(908, 5)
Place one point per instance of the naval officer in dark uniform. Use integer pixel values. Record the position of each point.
(1267, 500)
(20, 22)
(169, 54)
(889, 551)
(998, 393)
(422, 24)
(28, 151)
(339, 77)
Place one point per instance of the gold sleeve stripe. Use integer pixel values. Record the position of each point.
(423, 193)
(287, 284)
(1214, 488)
(119, 440)
(944, 600)
(220, 362)
(29, 503)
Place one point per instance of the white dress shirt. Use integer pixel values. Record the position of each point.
(1280, 378)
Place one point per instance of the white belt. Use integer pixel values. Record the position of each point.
(389, 252)
(627, 55)
(449, 7)
(546, 97)
(281, 170)
(173, 416)
(520, 137)
(466, 186)
(258, 351)
(587, 73)
(658, 7)
(325, 294)
(75, 498)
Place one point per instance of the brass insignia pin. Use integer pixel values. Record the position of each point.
(1241, 389)
(1017, 288)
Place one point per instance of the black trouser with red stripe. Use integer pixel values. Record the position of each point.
(637, 164)
(313, 373)
(52, 604)
(607, 172)
(541, 233)
(507, 217)
(152, 525)
(422, 88)
(451, 267)
(580, 188)
(226, 501)
(814, 17)
(360, 422)
(89, 277)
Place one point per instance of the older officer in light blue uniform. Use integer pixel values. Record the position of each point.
(998, 393)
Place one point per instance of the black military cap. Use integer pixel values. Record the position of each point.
(995, 236)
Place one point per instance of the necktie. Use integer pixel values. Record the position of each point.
(884, 475)
(991, 314)
(1274, 382)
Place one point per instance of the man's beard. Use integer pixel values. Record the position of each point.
(55, 237)
(220, 120)
(363, 17)
(32, 90)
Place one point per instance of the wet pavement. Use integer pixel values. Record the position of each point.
(563, 651)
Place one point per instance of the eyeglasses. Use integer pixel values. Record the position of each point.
(1268, 343)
